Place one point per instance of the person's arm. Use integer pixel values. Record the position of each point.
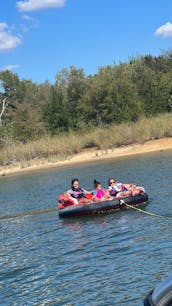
(68, 192)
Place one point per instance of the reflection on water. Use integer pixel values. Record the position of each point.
(111, 259)
(29, 213)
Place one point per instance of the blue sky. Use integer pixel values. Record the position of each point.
(38, 38)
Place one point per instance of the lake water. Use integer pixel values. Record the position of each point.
(111, 259)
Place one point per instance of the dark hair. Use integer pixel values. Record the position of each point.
(74, 180)
(112, 178)
(96, 183)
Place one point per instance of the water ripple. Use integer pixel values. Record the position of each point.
(111, 259)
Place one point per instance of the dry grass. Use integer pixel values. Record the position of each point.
(53, 149)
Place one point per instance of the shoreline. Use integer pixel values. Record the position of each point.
(91, 155)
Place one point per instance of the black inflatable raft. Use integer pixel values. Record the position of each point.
(108, 206)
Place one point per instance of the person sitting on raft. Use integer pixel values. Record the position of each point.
(135, 190)
(76, 192)
(117, 189)
(123, 190)
(99, 193)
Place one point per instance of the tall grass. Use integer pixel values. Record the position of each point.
(52, 149)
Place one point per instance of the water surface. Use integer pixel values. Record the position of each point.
(111, 259)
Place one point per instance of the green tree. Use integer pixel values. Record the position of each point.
(73, 84)
(23, 119)
(153, 84)
(8, 94)
(56, 115)
(112, 97)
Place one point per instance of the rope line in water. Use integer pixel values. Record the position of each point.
(145, 212)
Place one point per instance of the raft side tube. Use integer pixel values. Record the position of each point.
(102, 207)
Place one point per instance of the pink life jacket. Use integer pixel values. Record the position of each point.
(100, 193)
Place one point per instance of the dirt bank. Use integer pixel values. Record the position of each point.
(91, 155)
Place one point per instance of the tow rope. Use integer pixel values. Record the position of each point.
(145, 212)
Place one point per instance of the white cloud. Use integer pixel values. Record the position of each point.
(29, 23)
(8, 41)
(28, 18)
(11, 67)
(165, 30)
(35, 5)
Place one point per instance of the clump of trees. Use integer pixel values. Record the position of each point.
(116, 94)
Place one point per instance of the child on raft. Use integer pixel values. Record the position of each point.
(99, 193)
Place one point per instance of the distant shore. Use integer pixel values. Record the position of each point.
(92, 155)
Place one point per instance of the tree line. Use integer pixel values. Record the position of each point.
(117, 93)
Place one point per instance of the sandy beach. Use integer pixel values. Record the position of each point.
(91, 155)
